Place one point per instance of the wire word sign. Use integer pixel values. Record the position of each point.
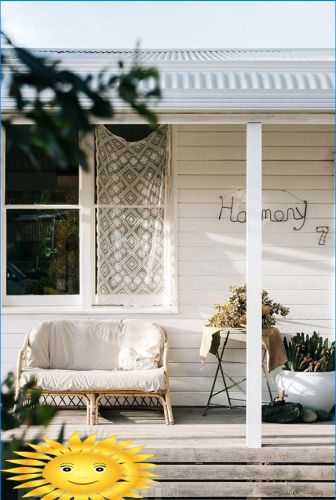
(296, 213)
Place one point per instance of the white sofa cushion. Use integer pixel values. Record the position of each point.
(131, 359)
(97, 380)
(89, 344)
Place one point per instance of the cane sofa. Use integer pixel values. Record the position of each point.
(95, 359)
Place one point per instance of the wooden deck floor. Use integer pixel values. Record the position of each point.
(221, 427)
(206, 457)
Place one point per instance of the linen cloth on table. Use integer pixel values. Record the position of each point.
(97, 380)
(275, 350)
(89, 344)
(271, 339)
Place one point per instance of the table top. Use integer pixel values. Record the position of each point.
(234, 333)
(238, 334)
(224, 331)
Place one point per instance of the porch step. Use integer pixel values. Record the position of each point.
(296, 472)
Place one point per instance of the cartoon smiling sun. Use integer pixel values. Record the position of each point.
(85, 470)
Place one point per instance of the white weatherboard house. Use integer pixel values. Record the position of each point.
(247, 132)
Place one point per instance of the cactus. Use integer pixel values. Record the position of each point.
(309, 353)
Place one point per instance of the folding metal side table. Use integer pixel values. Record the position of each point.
(225, 334)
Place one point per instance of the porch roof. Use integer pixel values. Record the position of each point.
(219, 80)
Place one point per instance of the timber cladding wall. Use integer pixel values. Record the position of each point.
(225, 473)
(210, 162)
(297, 271)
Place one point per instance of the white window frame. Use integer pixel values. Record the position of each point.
(30, 300)
(85, 301)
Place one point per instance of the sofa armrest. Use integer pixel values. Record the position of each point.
(21, 363)
(165, 361)
(165, 356)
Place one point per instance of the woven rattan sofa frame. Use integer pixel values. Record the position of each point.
(93, 398)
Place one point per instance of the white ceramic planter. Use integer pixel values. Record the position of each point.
(314, 390)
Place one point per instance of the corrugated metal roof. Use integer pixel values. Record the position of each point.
(199, 54)
(222, 80)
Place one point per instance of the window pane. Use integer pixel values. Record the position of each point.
(44, 183)
(42, 252)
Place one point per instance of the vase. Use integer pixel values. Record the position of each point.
(314, 390)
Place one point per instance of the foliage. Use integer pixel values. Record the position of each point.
(59, 249)
(62, 104)
(28, 413)
(233, 313)
(309, 353)
(27, 410)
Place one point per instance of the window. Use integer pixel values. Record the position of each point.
(103, 237)
(42, 227)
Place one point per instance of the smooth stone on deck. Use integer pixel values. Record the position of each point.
(282, 413)
(323, 416)
(309, 416)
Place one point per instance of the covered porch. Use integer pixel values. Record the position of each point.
(267, 143)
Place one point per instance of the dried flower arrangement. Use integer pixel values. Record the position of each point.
(233, 313)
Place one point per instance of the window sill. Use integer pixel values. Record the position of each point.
(93, 310)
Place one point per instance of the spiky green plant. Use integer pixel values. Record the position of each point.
(309, 353)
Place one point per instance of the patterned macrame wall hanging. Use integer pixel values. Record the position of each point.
(133, 218)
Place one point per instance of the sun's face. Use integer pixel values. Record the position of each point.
(84, 470)
(83, 473)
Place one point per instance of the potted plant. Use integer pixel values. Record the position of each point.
(308, 377)
(233, 313)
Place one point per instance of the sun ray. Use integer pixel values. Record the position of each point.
(66, 496)
(123, 444)
(149, 474)
(25, 461)
(146, 465)
(24, 477)
(23, 470)
(53, 494)
(132, 494)
(42, 490)
(106, 447)
(33, 454)
(110, 496)
(125, 455)
(57, 446)
(31, 484)
(108, 441)
(89, 443)
(75, 443)
(140, 458)
(136, 449)
(45, 449)
(130, 469)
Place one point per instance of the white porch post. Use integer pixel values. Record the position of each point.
(254, 283)
(87, 222)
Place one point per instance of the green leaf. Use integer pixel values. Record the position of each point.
(58, 116)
